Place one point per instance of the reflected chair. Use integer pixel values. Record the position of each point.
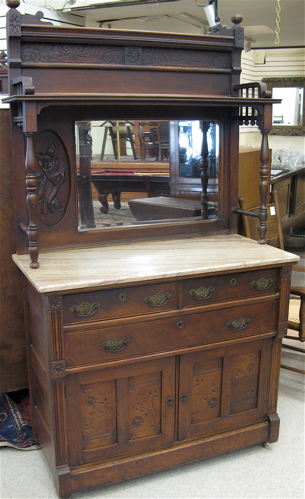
(163, 141)
(118, 130)
(296, 316)
(147, 144)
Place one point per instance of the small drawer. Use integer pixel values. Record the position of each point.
(205, 290)
(182, 330)
(119, 302)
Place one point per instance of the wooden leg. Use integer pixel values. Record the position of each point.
(104, 202)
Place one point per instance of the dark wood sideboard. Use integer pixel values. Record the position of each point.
(157, 343)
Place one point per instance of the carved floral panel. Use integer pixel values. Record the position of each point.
(109, 55)
(206, 397)
(53, 172)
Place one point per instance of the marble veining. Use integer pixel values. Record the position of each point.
(143, 261)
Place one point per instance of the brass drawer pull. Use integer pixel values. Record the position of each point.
(115, 345)
(170, 401)
(180, 324)
(85, 309)
(201, 293)
(158, 299)
(262, 284)
(239, 323)
(183, 397)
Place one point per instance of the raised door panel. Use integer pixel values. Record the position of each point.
(115, 412)
(223, 388)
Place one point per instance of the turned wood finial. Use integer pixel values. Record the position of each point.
(13, 4)
(237, 19)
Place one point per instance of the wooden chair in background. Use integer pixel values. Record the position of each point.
(296, 319)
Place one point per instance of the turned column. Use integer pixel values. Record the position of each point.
(204, 169)
(31, 182)
(263, 186)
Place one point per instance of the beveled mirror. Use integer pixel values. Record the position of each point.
(135, 179)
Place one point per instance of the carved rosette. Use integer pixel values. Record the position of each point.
(14, 22)
(239, 37)
(133, 55)
(287, 272)
(58, 369)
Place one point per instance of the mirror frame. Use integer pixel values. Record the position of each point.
(287, 82)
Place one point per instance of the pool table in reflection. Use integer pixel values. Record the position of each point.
(116, 181)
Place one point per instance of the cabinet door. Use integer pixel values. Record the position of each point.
(283, 188)
(223, 388)
(113, 412)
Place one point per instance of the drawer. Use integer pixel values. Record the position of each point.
(181, 330)
(119, 302)
(201, 291)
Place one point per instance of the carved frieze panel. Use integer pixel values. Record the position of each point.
(53, 173)
(119, 55)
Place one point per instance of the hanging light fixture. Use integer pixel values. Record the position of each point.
(211, 14)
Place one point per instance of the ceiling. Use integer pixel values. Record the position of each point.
(259, 17)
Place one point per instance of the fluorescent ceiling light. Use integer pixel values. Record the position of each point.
(113, 3)
(258, 30)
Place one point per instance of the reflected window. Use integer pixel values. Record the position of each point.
(190, 139)
(290, 111)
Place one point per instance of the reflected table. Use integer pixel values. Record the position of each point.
(115, 182)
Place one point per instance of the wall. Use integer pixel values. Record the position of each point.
(275, 63)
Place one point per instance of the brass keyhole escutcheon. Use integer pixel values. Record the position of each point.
(233, 281)
(180, 324)
(170, 401)
(122, 297)
(183, 397)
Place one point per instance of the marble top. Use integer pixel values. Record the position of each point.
(142, 261)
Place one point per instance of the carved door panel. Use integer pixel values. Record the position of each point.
(120, 411)
(223, 388)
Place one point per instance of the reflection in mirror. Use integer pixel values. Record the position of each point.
(290, 111)
(289, 116)
(139, 172)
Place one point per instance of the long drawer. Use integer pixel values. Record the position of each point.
(102, 344)
(120, 302)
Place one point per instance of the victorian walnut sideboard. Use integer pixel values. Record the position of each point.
(153, 343)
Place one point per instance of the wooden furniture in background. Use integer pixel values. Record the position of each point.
(158, 344)
(290, 187)
(248, 175)
(13, 365)
(275, 237)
